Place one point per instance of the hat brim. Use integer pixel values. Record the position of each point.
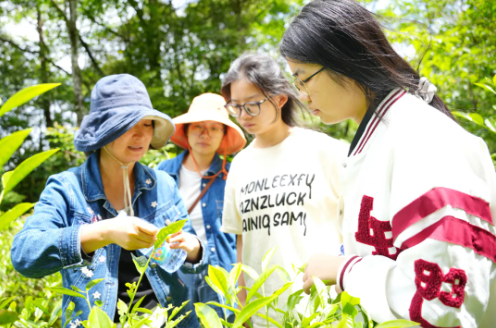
(234, 140)
(101, 128)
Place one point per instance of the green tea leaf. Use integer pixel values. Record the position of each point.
(10, 144)
(398, 324)
(490, 124)
(259, 282)
(267, 257)
(56, 313)
(93, 283)
(7, 317)
(137, 305)
(65, 291)
(12, 178)
(207, 316)
(494, 79)
(224, 306)
(213, 286)
(249, 271)
(485, 86)
(140, 263)
(169, 230)
(5, 301)
(177, 309)
(77, 289)
(250, 309)
(472, 117)
(14, 213)
(69, 310)
(233, 275)
(99, 319)
(219, 278)
(26, 95)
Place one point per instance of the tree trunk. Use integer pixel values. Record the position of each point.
(45, 101)
(76, 71)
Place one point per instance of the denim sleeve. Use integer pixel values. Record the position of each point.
(203, 263)
(49, 242)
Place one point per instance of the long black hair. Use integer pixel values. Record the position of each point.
(264, 72)
(346, 39)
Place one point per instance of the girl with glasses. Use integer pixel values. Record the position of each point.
(205, 131)
(282, 190)
(419, 192)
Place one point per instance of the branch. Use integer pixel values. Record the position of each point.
(15, 45)
(93, 19)
(18, 47)
(90, 54)
(61, 12)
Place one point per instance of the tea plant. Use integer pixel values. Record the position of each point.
(30, 315)
(131, 316)
(320, 310)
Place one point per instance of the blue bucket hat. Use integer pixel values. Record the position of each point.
(118, 102)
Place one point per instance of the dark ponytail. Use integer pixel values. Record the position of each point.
(348, 41)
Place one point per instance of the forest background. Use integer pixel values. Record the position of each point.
(182, 48)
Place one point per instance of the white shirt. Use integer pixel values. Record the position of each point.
(190, 189)
(285, 196)
(419, 198)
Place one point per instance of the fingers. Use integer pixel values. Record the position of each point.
(307, 285)
(146, 227)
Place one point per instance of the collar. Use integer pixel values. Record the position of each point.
(92, 179)
(215, 166)
(371, 120)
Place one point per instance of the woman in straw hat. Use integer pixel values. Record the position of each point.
(282, 189)
(205, 131)
(91, 218)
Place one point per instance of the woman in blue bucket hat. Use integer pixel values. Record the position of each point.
(91, 218)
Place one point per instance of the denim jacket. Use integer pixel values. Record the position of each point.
(51, 238)
(222, 246)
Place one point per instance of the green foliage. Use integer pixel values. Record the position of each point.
(320, 309)
(459, 46)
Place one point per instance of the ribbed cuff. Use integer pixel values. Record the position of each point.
(345, 268)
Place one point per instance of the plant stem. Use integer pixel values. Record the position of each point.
(136, 289)
(88, 300)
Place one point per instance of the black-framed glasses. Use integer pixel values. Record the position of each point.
(252, 108)
(301, 83)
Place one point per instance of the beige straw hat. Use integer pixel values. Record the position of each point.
(209, 107)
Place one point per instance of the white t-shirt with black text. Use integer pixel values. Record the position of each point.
(285, 196)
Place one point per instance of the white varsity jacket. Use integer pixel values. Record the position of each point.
(419, 198)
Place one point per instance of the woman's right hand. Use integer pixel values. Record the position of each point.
(131, 233)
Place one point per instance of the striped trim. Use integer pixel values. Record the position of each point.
(436, 199)
(388, 102)
(455, 231)
(346, 268)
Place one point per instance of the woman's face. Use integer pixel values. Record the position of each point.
(132, 145)
(205, 137)
(243, 91)
(330, 101)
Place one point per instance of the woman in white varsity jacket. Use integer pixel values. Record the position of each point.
(419, 192)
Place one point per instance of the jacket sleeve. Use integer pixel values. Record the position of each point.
(441, 217)
(49, 242)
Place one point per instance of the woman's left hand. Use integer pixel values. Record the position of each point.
(323, 266)
(186, 242)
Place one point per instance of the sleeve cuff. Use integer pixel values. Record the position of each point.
(189, 267)
(345, 268)
(71, 253)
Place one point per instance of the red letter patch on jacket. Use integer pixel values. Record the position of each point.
(372, 231)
